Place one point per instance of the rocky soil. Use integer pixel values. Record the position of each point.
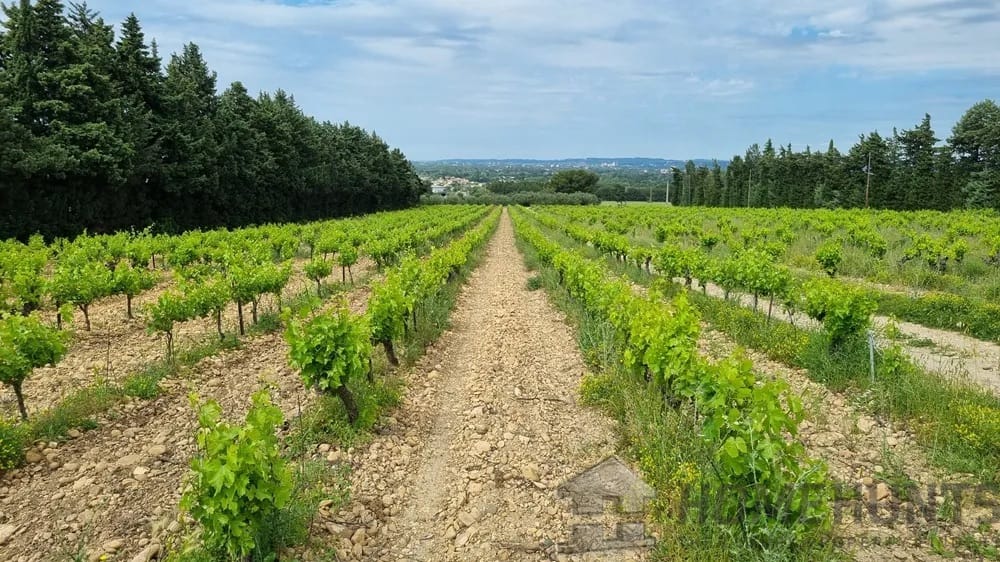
(898, 499)
(116, 347)
(114, 491)
(468, 468)
(490, 427)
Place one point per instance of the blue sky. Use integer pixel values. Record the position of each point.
(573, 78)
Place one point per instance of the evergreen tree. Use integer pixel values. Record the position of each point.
(915, 173)
(975, 140)
(713, 191)
(139, 80)
(190, 154)
(244, 197)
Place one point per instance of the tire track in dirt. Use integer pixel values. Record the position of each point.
(489, 428)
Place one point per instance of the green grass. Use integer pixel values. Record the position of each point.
(76, 411)
(975, 317)
(663, 442)
(961, 437)
(326, 421)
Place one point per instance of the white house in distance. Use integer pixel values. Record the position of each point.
(446, 185)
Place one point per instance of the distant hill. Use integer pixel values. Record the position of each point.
(628, 163)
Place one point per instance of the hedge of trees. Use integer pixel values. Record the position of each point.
(910, 169)
(95, 134)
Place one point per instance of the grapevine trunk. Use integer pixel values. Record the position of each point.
(390, 352)
(20, 401)
(350, 405)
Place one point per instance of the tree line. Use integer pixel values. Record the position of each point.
(96, 134)
(907, 170)
(910, 169)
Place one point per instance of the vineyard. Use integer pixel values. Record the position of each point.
(419, 384)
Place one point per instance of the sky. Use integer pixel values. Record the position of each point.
(599, 78)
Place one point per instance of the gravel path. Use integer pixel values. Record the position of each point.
(489, 429)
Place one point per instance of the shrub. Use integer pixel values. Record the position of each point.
(13, 439)
(317, 269)
(329, 350)
(26, 343)
(347, 257)
(979, 426)
(240, 482)
(844, 311)
(829, 257)
(762, 479)
(171, 307)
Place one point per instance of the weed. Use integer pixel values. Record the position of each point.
(937, 544)
(75, 411)
(978, 547)
(946, 510)
(315, 481)
(893, 474)
(146, 383)
(14, 438)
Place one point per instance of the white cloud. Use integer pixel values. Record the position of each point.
(413, 66)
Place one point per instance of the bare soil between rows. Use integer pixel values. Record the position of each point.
(489, 429)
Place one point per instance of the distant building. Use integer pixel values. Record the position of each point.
(439, 189)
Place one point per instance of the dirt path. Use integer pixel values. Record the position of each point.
(115, 490)
(489, 429)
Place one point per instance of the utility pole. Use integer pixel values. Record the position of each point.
(670, 176)
(868, 181)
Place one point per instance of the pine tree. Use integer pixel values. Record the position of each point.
(239, 145)
(976, 141)
(190, 154)
(139, 80)
(856, 170)
(92, 127)
(916, 167)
